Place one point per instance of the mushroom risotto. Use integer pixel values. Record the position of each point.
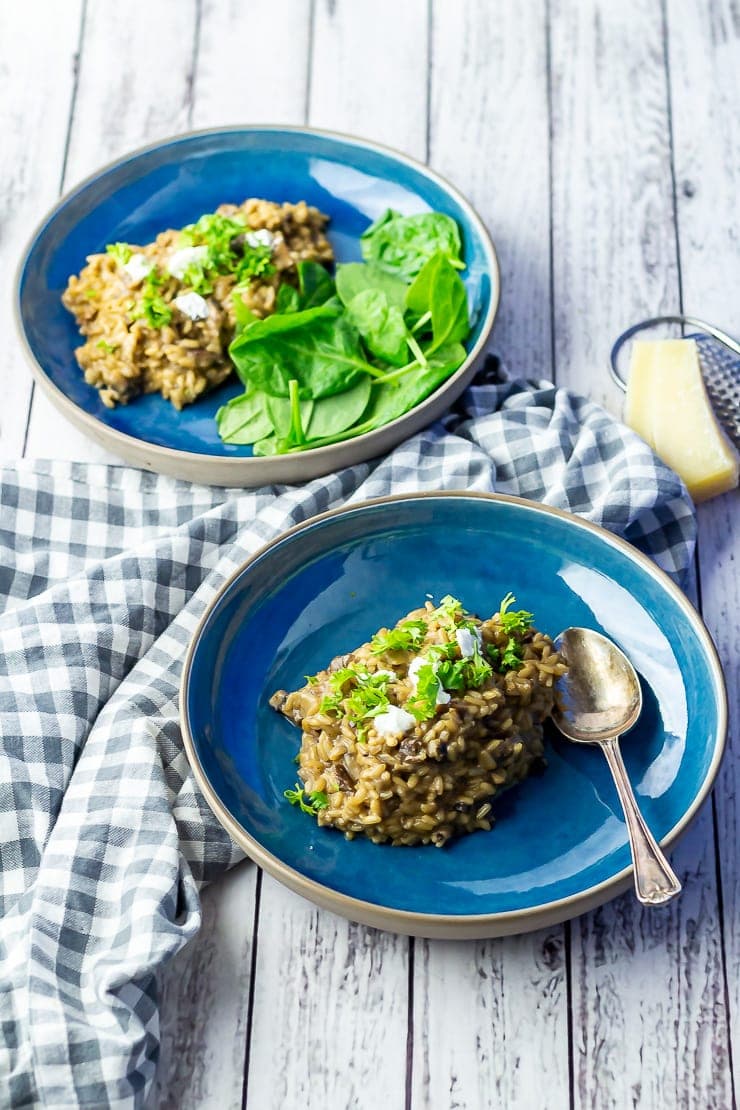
(159, 318)
(410, 737)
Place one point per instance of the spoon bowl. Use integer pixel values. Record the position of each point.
(601, 692)
(600, 698)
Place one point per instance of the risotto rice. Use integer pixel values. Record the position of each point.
(150, 330)
(410, 737)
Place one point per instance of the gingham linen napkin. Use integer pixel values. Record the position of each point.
(104, 838)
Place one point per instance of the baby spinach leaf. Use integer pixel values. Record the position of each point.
(402, 244)
(244, 419)
(391, 400)
(334, 414)
(356, 277)
(279, 414)
(242, 314)
(317, 347)
(315, 283)
(439, 291)
(287, 299)
(381, 325)
(266, 446)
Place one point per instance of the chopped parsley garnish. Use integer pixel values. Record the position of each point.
(428, 684)
(514, 624)
(152, 306)
(366, 698)
(449, 609)
(312, 803)
(218, 233)
(105, 347)
(121, 252)
(195, 277)
(407, 636)
(92, 294)
(511, 622)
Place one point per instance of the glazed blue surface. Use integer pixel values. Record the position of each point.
(326, 590)
(173, 185)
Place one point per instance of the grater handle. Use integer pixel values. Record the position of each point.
(692, 321)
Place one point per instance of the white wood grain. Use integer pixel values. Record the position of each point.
(490, 1023)
(367, 81)
(204, 1003)
(330, 998)
(489, 136)
(614, 259)
(252, 62)
(704, 56)
(490, 1019)
(135, 84)
(648, 993)
(330, 1005)
(35, 39)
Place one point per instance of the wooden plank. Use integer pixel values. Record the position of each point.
(330, 1007)
(614, 259)
(367, 80)
(704, 61)
(489, 136)
(203, 1002)
(252, 62)
(135, 84)
(648, 991)
(490, 1023)
(490, 1019)
(37, 61)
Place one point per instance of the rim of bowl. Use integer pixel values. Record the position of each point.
(412, 921)
(113, 436)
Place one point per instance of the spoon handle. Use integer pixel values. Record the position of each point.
(655, 881)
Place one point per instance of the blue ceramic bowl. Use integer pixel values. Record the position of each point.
(559, 846)
(172, 184)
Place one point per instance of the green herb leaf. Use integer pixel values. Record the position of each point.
(519, 621)
(311, 803)
(195, 278)
(121, 252)
(106, 348)
(402, 244)
(151, 306)
(406, 636)
(228, 250)
(423, 705)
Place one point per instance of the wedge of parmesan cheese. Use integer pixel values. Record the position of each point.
(667, 405)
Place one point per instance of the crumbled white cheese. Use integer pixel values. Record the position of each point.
(137, 267)
(415, 666)
(260, 238)
(389, 674)
(393, 722)
(179, 261)
(192, 305)
(468, 642)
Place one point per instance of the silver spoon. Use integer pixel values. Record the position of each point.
(601, 699)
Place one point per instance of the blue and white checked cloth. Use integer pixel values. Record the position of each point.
(104, 838)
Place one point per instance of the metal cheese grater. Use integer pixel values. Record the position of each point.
(719, 358)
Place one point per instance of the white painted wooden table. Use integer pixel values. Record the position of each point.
(601, 144)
